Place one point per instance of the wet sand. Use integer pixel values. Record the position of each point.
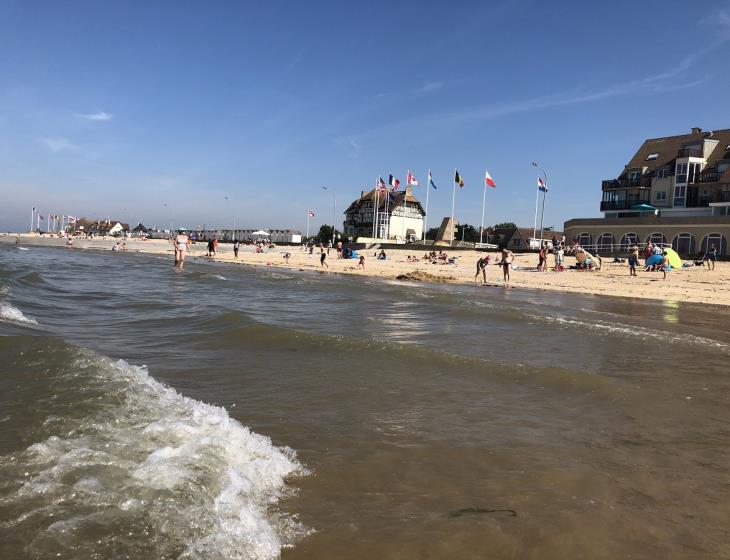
(695, 284)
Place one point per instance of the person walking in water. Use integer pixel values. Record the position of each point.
(482, 267)
(180, 243)
(322, 256)
(236, 247)
(507, 258)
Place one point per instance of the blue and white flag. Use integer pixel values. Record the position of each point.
(430, 181)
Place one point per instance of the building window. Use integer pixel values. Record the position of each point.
(605, 243)
(584, 239)
(656, 239)
(516, 242)
(662, 173)
(628, 240)
(680, 195)
(714, 238)
(684, 244)
(681, 173)
(660, 195)
(651, 157)
(694, 171)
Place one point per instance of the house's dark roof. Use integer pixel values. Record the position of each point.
(523, 233)
(667, 149)
(396, 198)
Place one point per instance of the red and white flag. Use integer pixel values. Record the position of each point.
(541, 185)
(488, 181)
(411, 181)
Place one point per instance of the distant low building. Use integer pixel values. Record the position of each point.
(518, 238)
(400, 216)
(228, 235)
(100, 227)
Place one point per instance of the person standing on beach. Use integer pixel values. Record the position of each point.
(181, 243)
(507, 258)
(665, 264)
(215, 246)
(236, 247)
(339, 249)
(711, 257)
(361, 264)
(633, 259)
(482, 267)
(322, 257)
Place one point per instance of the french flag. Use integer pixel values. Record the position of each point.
(488, 181)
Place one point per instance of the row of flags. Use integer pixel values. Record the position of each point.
(411, 181)
(56, 217)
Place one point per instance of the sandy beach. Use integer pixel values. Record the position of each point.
(694, 284)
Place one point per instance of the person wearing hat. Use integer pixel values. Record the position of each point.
(181, 243)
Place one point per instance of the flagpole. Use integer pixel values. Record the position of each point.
(32, 215)
(542, 215)
(308, 216)
(405, 206)
(534, 227)
(484, 203)
(425, 220)
(453, 200)
(375, 210)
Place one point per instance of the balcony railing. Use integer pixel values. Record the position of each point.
(708, 177)
(621, 204)
(626, 183)
(698, 202)
(690, 152)
(721, 196)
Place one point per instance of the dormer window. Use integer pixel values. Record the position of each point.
(651, 157)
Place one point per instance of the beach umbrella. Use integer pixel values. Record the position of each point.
(260, 232)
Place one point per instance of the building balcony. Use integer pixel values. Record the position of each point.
(708, 177)
(690, 152)
(626, 183)
(721, 196)
(622, 204)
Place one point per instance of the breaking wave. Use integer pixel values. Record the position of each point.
(10, 313)
(134, 469)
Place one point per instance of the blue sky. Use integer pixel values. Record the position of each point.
(153, 109)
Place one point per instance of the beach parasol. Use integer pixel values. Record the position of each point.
(261, 232)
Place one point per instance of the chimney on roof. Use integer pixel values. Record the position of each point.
(696, 130)
(362, 193)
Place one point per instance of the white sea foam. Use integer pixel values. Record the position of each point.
(202, 484)
(633, 331)
(10, 313)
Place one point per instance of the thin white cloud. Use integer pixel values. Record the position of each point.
(98, 116)
(661, 82)
(429, 87)
(58, 144)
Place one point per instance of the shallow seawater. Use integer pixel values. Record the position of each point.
(231, 412)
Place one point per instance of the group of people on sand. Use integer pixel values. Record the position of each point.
(507, 258)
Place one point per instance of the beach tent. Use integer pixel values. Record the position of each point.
(673, 258)
(261, 232)
(645, 209)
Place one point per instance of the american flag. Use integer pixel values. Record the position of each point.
(380, 185)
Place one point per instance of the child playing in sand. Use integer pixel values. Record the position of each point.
(361, 263)
(665, 265)
(286, 257)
